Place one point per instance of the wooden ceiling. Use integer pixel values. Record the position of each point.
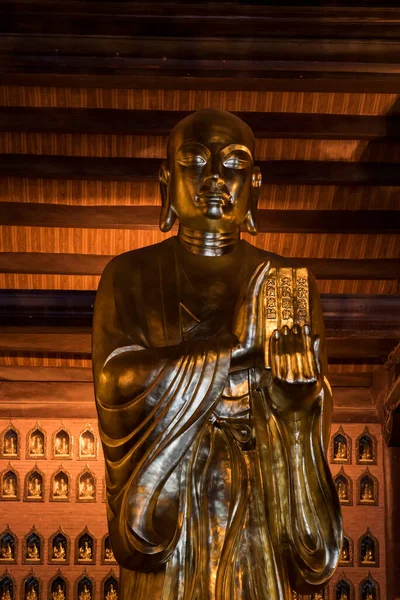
(89, 91)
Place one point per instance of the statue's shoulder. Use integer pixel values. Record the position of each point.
(276, 260)
(135, 260)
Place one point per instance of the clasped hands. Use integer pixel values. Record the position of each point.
(293, 378)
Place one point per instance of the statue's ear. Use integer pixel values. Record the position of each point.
(250, 220)
(167, 215)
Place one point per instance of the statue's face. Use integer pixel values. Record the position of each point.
(211, 174)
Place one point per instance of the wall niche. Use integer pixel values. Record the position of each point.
(85, 548)
(340, 447)
(33, 548)
(60, 486)
(59, 548)
(85, 587)
(87, 444)
(367, 489)
(107, 554)
(10, 442)
(369, 589)
(368, 550)
(36, 443)
(58, 587)
(62, 444)
(343, 589)
(7, 586)
(110, 587)
(8, 547)
(9, 484)
(86, 486)
(344, 486)
(31, 588)
(347, 553)
(366, 448)
(34, 487)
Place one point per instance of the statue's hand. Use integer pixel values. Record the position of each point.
(295, 380)
(248, 320)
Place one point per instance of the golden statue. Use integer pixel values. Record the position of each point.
(112, 593)
(9, 487)
(344, 556)
(31, 594)
(6, 595)
(368, 556)
(369, 597)
(317, 596)
(342, 490)
(109, 554)
(59, 593)
(7, 552)
(210, 378)
(366, 454)
(341, 450)
(87, 446)
(59, 552)
(85, 552)
(10, 446)
(85, 593)
(60, 488)
(62, 446)
(36, 445)
(33, 552)
(343, 596)
(35, 488)
(86, 488)
(367, 494)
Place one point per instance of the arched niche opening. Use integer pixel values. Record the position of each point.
(9, 484)
(340, 447)
(85, 587)
(369, 589)
(367, 489)
(8, 547)
(347, 551)
(110, 587)
(87, 444)
(368, 550)
(7, 587)
(62, 444)
(33, 548)
(31, 588)
(59, 548)
(344, 487)
(34, 485)
(58, 587)
(60, 486)
(10, 442)
(85, 548)
(36, 443)
(107, 554)
(366, 448)
(86, 486)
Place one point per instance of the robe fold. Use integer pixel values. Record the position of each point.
(211, 493)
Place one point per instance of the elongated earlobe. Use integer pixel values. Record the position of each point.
(167, 215)
(250, 220)
(250, 223)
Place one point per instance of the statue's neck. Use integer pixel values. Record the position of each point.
(206, 243)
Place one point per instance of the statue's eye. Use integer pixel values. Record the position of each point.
(191, 159)
(237, 160)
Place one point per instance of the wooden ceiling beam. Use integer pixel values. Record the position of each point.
(93, 264)
(147, 217)
(299, 172)
(159, 122)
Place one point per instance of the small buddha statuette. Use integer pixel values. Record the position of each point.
(86, 489)
(33, 552)
(109, 554)
(60, 488)
(367, 494)
(112, 593)
(317, 596)
(341, 450)
(7, 552)
(366, 453)
(9, 488)
(342, 490)
(85, 593)
(6, 595)
(368, 556)
(35, 488)
(36, 445)
(87, 446)
(343, 596)
(10, 446)
(344, 555)
(58, 594)
(59, 552)
(31, 594)
(85, 552)
(62, 446)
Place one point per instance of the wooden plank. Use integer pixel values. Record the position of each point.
(80, 374)
(93, 264)
(76, 399)
(299, 172)
(318, 81)
(147, 217)
(159, 122)
(77, 340)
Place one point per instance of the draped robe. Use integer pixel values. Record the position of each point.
(212, 494)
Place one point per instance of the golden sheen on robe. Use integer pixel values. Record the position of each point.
(216, 489)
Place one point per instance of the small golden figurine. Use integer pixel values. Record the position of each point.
(33, 552)
(367, 494)
(35, 488)
(31, 594)
(85, 552)
(10, 446)
(366, 454)
(10, 488)
(60, 488)
(36, 447)
(7, 552)
(6, 595)
(317, 596)
(109, 555)
(59, 552)
(112, 593)
(58, 594)
(343, 596)
(86, 488)
(369, 597)
(87, 446)
(342, 490)
(341, 450)
(85, 593)
(61, 446)
(368, 556)
(344, 555)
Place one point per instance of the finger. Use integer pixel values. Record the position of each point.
(297, 363)
(274, 353)
(317, 349)
(308, 353)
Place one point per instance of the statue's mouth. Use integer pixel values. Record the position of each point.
(214, 197)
